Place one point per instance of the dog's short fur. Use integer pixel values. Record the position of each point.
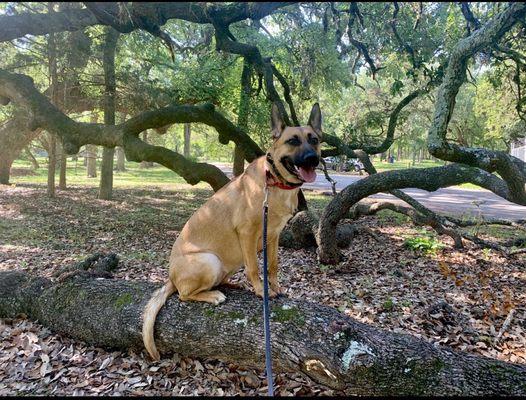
(226, 232)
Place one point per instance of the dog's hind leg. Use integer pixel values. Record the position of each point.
(195, 274)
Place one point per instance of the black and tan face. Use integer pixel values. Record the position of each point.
(296, 149)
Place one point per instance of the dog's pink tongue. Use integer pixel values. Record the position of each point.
(307, 174)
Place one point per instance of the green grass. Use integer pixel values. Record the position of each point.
(76, 175)
(500, 232)
(405, 163)
(317, 202)
(424, 241)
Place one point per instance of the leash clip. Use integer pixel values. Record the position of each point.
(265, 200)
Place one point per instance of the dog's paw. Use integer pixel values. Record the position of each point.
(274, 286)
(220, 298)
(271, 293)
(216, 297)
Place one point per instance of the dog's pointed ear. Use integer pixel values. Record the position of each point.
(315, 119)
(276, 122)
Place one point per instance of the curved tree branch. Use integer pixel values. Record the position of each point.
(389, 138)
(43, 114)
(471, 20)
(510, 168)
(408, 49)
(354, 12)
(429, 179)
(135, 13)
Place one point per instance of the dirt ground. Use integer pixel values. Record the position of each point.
(457, 298)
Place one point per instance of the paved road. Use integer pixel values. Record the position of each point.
(457, 201)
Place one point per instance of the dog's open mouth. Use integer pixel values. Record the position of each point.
(305, 174)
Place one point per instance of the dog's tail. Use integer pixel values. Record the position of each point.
(150, 313)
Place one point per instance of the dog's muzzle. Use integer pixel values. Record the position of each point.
(303, 166)
(308, 159)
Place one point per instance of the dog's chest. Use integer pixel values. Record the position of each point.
(282, 205)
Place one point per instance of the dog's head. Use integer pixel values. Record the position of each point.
(296, 149)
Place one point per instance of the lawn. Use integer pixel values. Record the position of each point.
(134, 175)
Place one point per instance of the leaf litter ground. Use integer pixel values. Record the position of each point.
(458, 298)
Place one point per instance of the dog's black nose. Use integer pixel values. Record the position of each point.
(309, 159)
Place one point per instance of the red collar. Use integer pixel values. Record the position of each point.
(272, 181)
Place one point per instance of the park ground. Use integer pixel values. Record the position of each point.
(405, 279)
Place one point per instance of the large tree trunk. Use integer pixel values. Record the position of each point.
(187, 140)
(5, 170)
(63, 166)
(319, 341)
(121, 160)
(242, 119)
(91, 156)
(239, 161)
(34, 163)
(52, 163)
(106, 168)
(106, 173)
(52, 59)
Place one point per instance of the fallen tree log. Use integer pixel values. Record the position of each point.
(317, 340)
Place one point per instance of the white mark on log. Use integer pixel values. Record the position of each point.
(318, 365)
(339, 335)
(286, 307)
(355, 349)
(243, 321)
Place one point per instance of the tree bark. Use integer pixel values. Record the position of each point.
(52, 60)
(52, 163)
(34, 163)
(14, 136)
(5, 170)
(91, 155)
(316, 340)
(106, 168)
(157, 13)
(121, 160)
(106, 173)
(426, 178)
(238, 166)
(144, 163)
(63, 166)
(187, 140)
(242, 116)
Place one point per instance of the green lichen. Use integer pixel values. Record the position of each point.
(235, 315)
(287, 313)
(209, 312)
(123, 300)
(439, 365)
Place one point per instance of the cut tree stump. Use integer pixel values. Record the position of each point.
(319, 341)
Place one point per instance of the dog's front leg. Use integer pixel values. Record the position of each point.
(248, 243)
(273, 264)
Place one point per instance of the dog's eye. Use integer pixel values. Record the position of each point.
(294, 141)
(313, 140)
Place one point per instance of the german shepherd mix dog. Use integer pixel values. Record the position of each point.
(226, 232)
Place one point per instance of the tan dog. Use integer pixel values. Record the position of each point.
(226, 232)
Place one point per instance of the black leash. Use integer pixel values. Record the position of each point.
(266, 311)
